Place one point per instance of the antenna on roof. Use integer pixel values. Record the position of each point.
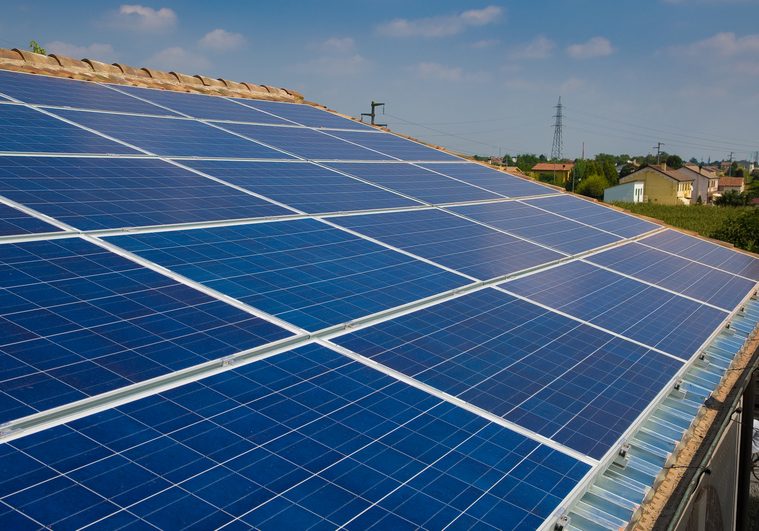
(372, 115)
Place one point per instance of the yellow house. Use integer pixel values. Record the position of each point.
(663, 186)
(558, 171)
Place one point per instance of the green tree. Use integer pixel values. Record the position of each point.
(36, 48)
(674, 162)
(626, 170)
(731, 198)
(593, 186)
(742, 230)
(610, 172)
(739, 172)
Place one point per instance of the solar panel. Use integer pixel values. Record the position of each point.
(305, 143)
(24, 130)
(393, 145)
(454, 242)
(705, 252)
(414, 181)
(202, 106)
(302, 271)
(528, 365)
(539, 226)
(679, 274)
(172, 137)
(78, 320)
(655, 317)
(304, 114)
(304, 186)
(108, 193)
(14, 222)
(598, 216)
(55, 91)
(497, 181)
(304, 439)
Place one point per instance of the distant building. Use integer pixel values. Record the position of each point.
(705, 182)
(662, 185)
(629, 192)
(727, 184)
(560, 170)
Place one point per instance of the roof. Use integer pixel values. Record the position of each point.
(671, 174)
(551, 166)
(732, 182)
(690, 169)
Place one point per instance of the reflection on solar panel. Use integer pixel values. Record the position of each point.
(307, 187)
(303, 271)
(494, 180)
(107, 193)
(454, 242)
(417, 182)
(304, 114)
(539, 226)
(307, 438)
(24, 130)
(78, 320)
(172, 137)
(392, 145)
(13, 221)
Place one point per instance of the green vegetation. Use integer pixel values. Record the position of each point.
(36, 48)
(593, 186)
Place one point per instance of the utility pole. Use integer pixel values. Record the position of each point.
(730, 168)
(558, 142)
(372, 115)
(657, 147)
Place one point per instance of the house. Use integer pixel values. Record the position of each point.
(629, 192)
(705, 182)
(662, 185)
(727, 184)
(559, 171)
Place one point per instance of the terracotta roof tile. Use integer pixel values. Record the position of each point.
(552, 166)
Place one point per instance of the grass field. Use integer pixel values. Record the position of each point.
(702, 219)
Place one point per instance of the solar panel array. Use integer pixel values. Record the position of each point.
(263, 314)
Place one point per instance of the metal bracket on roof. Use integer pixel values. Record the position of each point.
(226, 362)
(702, 360)
(6, 429)
(678, 390)
(622, 457)
(562, 523)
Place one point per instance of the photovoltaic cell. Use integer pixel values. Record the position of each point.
(304, 440)
(494, 180)
(172, 137)
(78, 320)
(416, 182)
(528, 365)
(304, 186)
(538, 226)
(304, 114)
(679, 274)
(393, 145)
(202, 106)
(305, 143)
(56, 91)
(655, 317)
(302, 271)
(15, 222)
(705, 252)
(24, 130)
(600, 217)
(106, 193)
(454, 242)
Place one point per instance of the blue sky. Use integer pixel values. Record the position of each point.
(480, 77)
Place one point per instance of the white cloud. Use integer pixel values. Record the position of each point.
(335, 65)
(595, 47)
(220, 40)
(180, 60)
(725, 44)
(428, 70)
(573, 84)
(99, 51)
(539, 48)
(143, 18)
(484, 43)
(338, 45)
(441, 26)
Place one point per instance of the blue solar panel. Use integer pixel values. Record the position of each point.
(303, 271)
(647, 314)
(304, 186)
(14, 222)
(78, 320)
(516, 360)
(24, 130)
(304, 114)
(598, 216)
(452, 241)
(305, 143)
(172, 137)
(494, 180)
(539, 226)
(705, 252)
(305, 439)
(202, 106)
(678, 274)
(416, 182)
(107, 193)
(56, 91)
(393, 145)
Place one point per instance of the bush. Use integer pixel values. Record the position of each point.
(593, 186)
(742, 231)
(732, 198)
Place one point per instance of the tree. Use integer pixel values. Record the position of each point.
(693, 160)
(732, 198)
(626, 170)
(739, 172)
(36, 48)
(593, 186)
(674, 162)
(610, 172)
(742, 230)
